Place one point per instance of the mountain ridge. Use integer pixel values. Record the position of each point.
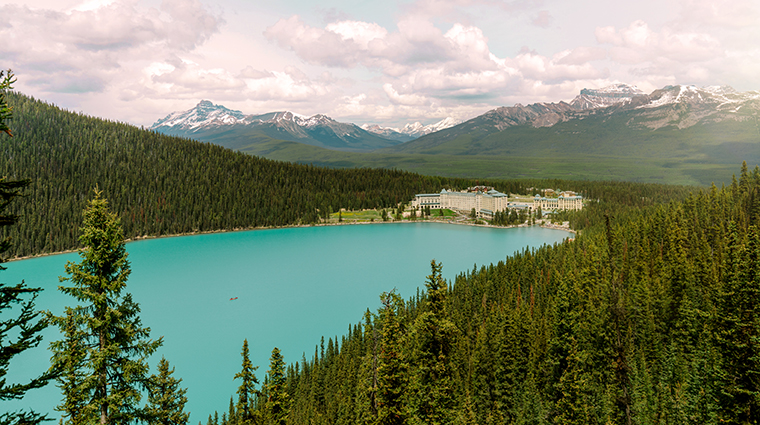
(213, 123)
(677, 106)
(206, 120)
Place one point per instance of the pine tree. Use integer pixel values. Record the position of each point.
(6, 112)
(247, 393)
(277, 403)
(166, 400)
(29, 325)
(109, 361)
(70, 364)
(26, 327)
(434, 336)
(392, 367)
(738, 329)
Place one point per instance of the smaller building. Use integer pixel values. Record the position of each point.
(559, 203)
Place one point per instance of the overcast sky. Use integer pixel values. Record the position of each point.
(387, 62)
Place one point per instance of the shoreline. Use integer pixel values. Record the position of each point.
(344, 223)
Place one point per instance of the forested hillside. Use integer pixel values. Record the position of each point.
(651, 316)
(166, 185)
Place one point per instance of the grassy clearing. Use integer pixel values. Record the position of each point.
(370, 216)
(355, 216)
(442, 213)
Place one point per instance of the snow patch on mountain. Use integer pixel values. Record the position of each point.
(723, 97)
(206, 115)
(413, 130)
(203, 115)
(606, 96)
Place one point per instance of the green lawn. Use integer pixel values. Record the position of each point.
(442, 213)
(356, 216)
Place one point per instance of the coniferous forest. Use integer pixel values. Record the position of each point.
(161, 185)
(649, 316)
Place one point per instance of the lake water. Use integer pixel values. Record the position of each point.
(292, 285)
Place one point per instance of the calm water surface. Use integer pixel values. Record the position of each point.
(292, 286)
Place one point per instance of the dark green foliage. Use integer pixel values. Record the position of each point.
(391, 365)
(17, 334)
(510, 217)
(22, 331)
(648, 317)
(594, 148)
(432, 342)
(275, 392)
(103, 356)
(6, 112)
(166, 400)
(248, 396)
(161, 185)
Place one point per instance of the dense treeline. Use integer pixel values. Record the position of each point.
(165, 185)
(651, 316)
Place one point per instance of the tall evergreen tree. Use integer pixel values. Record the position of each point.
(277, 403)
(21, 332)
(247, 394)
(434, 336)
(392, 367)
(6, 112)
(112, 346)
(166, 400)
(738, 329)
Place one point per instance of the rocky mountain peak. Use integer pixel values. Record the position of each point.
(605, 96)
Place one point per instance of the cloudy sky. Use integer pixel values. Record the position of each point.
(388, 62)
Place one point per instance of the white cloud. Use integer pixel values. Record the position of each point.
(420, 62)
(403, 99)
(89, 48)
(638, 43)
(361, 33)
(425, 60)
(724, 13)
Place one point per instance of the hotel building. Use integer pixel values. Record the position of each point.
(487, 203)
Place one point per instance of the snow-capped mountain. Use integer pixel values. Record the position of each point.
(675, 107)
(610, 95)
(685, 106)
(205, 115)
(410, 131)
(217, 124)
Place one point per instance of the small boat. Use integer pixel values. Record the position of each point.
(233, 299)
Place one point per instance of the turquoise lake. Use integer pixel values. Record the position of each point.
(293, 286)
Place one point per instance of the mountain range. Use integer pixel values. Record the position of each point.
(410, 131)
(594, 114)
(676, 134)
(233, 129)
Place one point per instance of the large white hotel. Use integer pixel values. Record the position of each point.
(487, 203)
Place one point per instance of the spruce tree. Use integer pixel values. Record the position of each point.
(166, 400)
(392, 367)
(22, 331)
(277, 402)
(6, 112)
(105, 347)
(247, 393)
(434, 336)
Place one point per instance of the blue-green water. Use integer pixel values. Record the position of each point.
(292, 286)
